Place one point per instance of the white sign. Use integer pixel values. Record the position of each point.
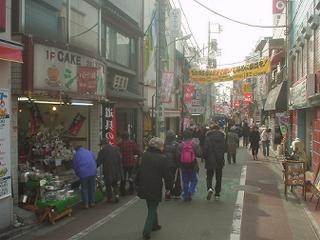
(58, 70)
(5, 155)
(120, 82)
(175, 22)
(298, 94)
(196, 109)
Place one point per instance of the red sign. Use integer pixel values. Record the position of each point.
(87, 80)
(2, 15)
(278, 6)
(188, 93)
(247, 97)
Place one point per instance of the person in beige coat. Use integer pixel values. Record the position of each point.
(232, 144)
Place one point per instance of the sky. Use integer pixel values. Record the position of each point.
(235, 41)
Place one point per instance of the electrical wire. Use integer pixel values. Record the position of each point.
(89, 29)
(236, 21)
(153, 17)
(188, 23)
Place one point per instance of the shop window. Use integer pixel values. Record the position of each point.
(84, 26)
(46, 19)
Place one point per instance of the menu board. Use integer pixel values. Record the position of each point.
(5, 173)
(295, 173)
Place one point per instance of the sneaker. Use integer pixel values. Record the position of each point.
(217, 198)
(146, 236)
(209, 195)
(116, 199)
(156, 228)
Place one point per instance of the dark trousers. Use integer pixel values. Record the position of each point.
(231, 156)
(112, 189)
(128, 173)
(245, 140)
(175, 179)
(88, 189)
(255, 150)
(152, 217)
(265, 148)
(189, 182)
(210, 174)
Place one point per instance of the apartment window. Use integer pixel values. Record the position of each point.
(84, 26)
(45, 19)
(119, 48)
(311, 55)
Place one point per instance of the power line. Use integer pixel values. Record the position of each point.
(188, 23)
(236, 21)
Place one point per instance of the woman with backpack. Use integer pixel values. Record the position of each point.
(187, 153)
(170, 149)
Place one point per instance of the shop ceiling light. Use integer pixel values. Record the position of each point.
(48, 102)
(81, 103)
(23, 99)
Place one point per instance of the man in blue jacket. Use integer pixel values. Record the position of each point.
(85, 167)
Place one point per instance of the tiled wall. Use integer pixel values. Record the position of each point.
(316, 140)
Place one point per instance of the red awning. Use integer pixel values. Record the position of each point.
(10, 52)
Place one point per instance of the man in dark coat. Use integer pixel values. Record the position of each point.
(152, 171)
(214, 149)
(109, 157)
(170, 150)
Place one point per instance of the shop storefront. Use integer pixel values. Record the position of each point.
(10, 52)
(123, 90)
(302, 114)
(61, 109)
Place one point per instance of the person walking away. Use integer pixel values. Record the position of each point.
(246, 131)
(232, 145)
(254, 139)
(85, 167)
(187, 153)
(152, 171)
(170, 150)
(110, 159)
(128, 149)
(214, 150)
(265, 139)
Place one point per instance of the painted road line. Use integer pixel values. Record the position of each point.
(237, 214)
(104, 220)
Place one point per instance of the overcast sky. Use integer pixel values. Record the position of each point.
(236, 41)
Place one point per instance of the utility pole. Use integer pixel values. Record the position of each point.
(161, 19)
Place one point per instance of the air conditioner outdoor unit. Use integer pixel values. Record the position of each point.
(314, 21)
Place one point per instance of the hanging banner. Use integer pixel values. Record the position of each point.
(109, 127)
(230, 74)
(5, 158)
(166, 86)
(76, 124)
(188, 93)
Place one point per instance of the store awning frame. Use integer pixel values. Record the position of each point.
(10, 51)
(277, 98)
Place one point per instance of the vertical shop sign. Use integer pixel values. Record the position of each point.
(109, 127)
(188, 93)
(5, 173)
(2, 15)
(166, 87)
(87, 80)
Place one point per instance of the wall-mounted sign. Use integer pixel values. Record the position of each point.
(61, 70)
(166, 86)
(120, 82)
(5, 157)
(188, 93)
(196, 109)
(298, 94)
(109, 127)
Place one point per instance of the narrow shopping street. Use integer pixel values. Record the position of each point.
(263, 214)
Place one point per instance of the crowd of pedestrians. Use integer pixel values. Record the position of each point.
(174, 162)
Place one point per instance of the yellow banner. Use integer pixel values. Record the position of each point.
(230, 74)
